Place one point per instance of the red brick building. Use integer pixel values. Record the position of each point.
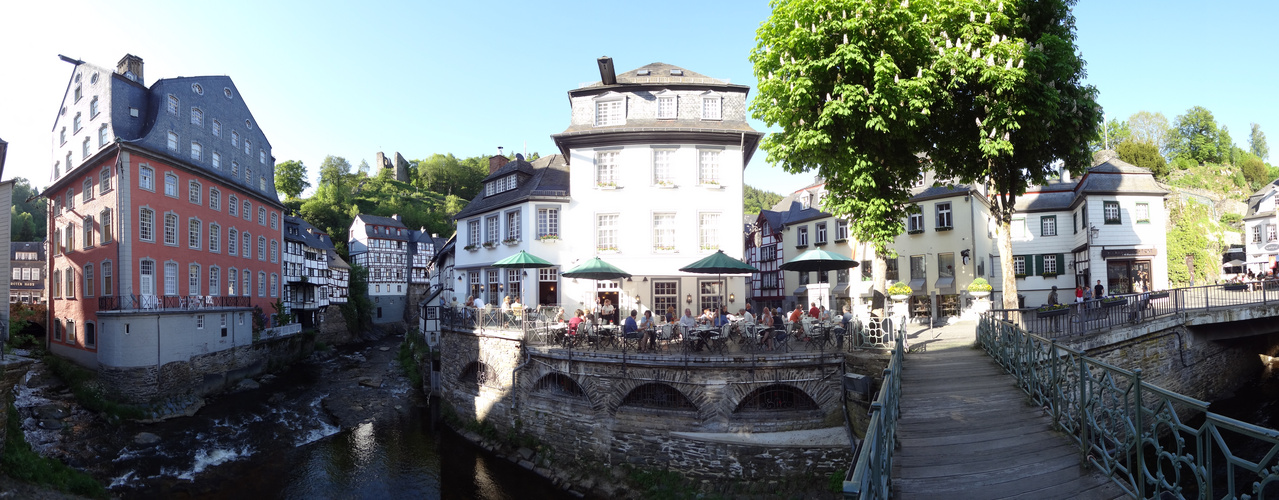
(165, 228)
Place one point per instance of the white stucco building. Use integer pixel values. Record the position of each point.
(1261, 235)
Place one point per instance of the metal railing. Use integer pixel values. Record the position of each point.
(538, 327)
(170, 302)
(871, 474)
(1119, 310)
(1138, 434)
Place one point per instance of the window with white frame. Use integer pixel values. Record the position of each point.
(146, 225)
(214, 281)
(171, 229)
(611, 111)
(275, 251)
(1143, 213)
(104, 180)
(820, 237)
(663, 232)
(197, 117)
(102, 135)
(93, 108)
(262, 156)
(193, 279)
(232, 278)
(170, 278)
(215, 199)
(172, 107)
(1110, 209)
(194, 230)
(1270, 233)
(663, 167)
(261, 216)
(246, 248)
(801, 236)
(513, 229)
(235, 168)
(104, 224)
(275, 285)
(217, 160)
(86, 189)
(233, 206)
(491, 228)
(235, 138)
(667, 106)
(915, 223)
(261, 284)
(246, 283)
(1019, 265)
(1050, 264)
(107, 285)
(248, 147)
(173, 141)
(473, 233)
(708, 167)
(217, 128)
(275, 220)
(232, 241)
(606, 168)
(194, 192)
(711, 107)
(606, 232)
(548, 222)
(88, 232)
(170, 184)
(945, 219)
(70, 199)
(215, 238)
(1048, 225)
(84, 148)
(841, 230)
(245, 210)
(89, 287)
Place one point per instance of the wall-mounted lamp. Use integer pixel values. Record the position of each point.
(688, 299)
(459, 278)
(525, 274)
(965, 255)
(646, 279)
(628, 279)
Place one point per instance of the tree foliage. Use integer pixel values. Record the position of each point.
(1193, 233)
(1254, 171)
(29, 213)
(1195, 136)
(290, 178)
(756, 200)
(1257, 142)
(1149, 128)
(1114, 133)
(1143, 155)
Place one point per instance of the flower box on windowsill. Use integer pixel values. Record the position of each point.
(712, 185)
(709, 249)
(1019, 276)
(669, 249)
(820, 244)
(1049, 275)
(606, 249)
(471, 248)
(944, 228)
(805, 245)
(490, 245)
(665, 185)
(550, 238)
(915, 231)
(606, 185)
(840, 240)
(510, 242)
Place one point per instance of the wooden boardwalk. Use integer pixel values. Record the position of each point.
(966, 431)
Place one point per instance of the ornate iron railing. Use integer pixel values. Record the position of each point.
(170, 302)
(1120, 310)
(871, 474)
(1138, 434)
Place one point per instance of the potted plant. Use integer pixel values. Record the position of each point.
(1158, 295)
(511, 241)
(606, 184)
(471, 248)
(980, 288)
(490, 244)
(899, 291)
(1053, 310)
(1235, 286)
(1113, 301)
(549, 238)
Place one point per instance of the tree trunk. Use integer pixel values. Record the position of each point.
(1007, 273)
(878, 276)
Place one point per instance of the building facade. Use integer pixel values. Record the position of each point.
(381, 245)
(309, 280)
(1261, 230)
(165, 228)
(1118, 234)
(29, 271)
(657, 156)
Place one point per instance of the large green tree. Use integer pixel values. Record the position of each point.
(1114, 133)
(1016, 109)
(851, 85)
(1257, 142)
(1195, 136)
(1144, 155)
(756, 200)
(1149, 128)
(27, 201)
(290, 178)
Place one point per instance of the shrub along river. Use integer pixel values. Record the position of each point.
(342, 425)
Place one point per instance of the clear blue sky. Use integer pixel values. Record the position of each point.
(334, 78)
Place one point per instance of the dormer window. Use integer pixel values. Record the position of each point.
(610, 109)
(500, 185)
(711, 104)
(666, 105)
(806, 201)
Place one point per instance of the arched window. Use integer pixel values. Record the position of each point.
(232, 275)
(559, 384)
(476, 375)
(776, 397)
(104, 180)
(658, 396)
(214, 280)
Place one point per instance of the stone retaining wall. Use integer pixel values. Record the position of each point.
(1180, 361)
(333, 329)
(201, 374)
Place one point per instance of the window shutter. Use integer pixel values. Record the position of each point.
(1039, 266)
(1061, 263)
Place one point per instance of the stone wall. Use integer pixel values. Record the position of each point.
(202, 374)
(333, 329)
(12, 370)
(574, 403)
(1188, 364)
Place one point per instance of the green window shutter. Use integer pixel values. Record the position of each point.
(1061, 264)
(1039, 266)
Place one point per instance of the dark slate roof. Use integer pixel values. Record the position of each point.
(1254, 201)
(519, 165)
(26, 246)
(335, 260)
(659, 74)
(655, 125)
(932, 192)
(307, 234)
(1112, 177)
(549, 178)
(378, 220)
(446, 249)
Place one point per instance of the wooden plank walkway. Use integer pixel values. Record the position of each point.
(966, 431)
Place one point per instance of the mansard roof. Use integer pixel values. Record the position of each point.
(549, 179)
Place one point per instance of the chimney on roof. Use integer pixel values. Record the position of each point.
(607, 75)
(130, 66)
(496, 162)
(1065, 175)
(397, 218)
(435, 235)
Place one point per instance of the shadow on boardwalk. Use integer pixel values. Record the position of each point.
(966, 431)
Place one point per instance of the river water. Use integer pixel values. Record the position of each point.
(283, 441)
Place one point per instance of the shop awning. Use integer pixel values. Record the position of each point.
(944, 282)
(803, 289)
(839, 289)
(917, 286)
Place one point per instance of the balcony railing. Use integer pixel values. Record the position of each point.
(170, 302)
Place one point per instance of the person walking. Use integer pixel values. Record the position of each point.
(1098, 291)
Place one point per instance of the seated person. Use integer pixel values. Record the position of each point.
(559, 315)
(629, 328)
(575, 321)
(797, 314)
(721, 319)
(746, 316)
(687, 323)
(649, 331)
(671, 315)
